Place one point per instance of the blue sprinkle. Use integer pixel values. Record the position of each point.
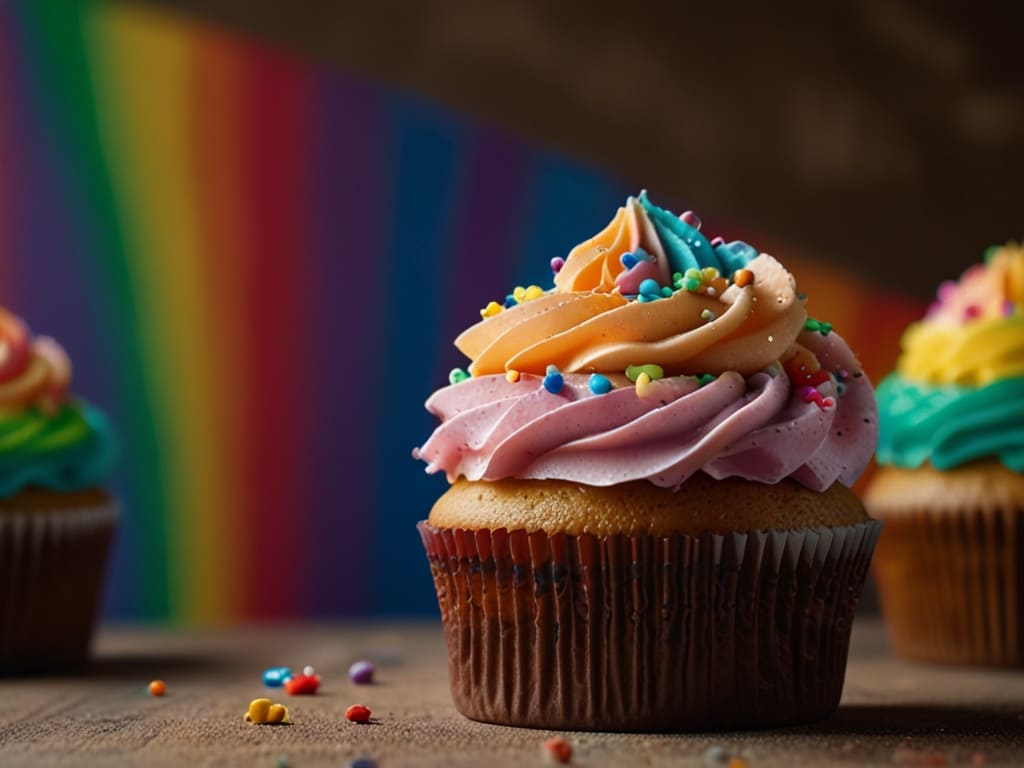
(510, 301)
(600, 385)
(274, 677)
(650, 287)
(666, 292)
(362, 762)
(628, 260)
(644, 299)
(553, 383)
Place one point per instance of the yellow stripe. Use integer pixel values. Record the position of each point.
(143, 85)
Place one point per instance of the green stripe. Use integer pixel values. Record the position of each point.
(61, 67)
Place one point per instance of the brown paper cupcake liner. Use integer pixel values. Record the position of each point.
(648, 633)
(951, 585)
(51, 571)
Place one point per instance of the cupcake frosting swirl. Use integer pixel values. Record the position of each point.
(47, 439)
(657, 354)
(957, 394)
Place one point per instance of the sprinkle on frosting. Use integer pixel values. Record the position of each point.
(653, 372)
(553, 381)
(457, 375)
(643, 384)
(599, 385)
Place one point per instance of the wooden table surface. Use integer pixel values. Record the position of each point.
(893, 713)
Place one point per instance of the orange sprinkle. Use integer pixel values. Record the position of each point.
(743, 277)
(558, 750)
(157, 688)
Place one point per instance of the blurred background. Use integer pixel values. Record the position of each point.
(257, 230)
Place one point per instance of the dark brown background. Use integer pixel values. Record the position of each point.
(886, 135)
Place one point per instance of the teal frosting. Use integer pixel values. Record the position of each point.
(686, 248)
(950, 425)
(68, 451)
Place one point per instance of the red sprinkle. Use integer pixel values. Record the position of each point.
(302, 684)
(357, 713)
(558, 750)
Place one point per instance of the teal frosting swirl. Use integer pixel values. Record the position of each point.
(950, 425)
(68, 451)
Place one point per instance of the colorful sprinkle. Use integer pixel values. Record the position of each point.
(511, 376)
(302, 685)
(157, 688)
(491, 309)
(274, 677)
(817, 325)
(519, 294)
(533, 292)
(361, 673)
(357, 713)
(599, 385)
(705, 378)
(743, 277)
(643, 384)
(690, 218)
(557, 750)
(362, 762)
(812, 395)
(707, 315)
(717, 241)
(457, 376)
(653, 372)
(266, 712)
(553, 381)
(556, 264)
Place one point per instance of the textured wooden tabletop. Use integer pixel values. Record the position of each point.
(893, 713)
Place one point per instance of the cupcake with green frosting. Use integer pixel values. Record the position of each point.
(950, 485)
(56, 522)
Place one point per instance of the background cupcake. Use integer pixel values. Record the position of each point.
(650, 526)
(950, 488)
(55, 523)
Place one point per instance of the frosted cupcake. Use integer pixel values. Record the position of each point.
(55, 521)
(649, 526)
(950, 489)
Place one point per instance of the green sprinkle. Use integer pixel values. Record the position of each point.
(692, 283)
(457, 376)
(811, 324)
(654, 372)
(705, 378)
(693, 274)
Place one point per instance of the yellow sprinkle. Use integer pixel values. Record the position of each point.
(643, 385)
(707, 315)
(512, 376)
(709, 273)
(533, 292)
(491, 309)
(519, 293)
(265, 712)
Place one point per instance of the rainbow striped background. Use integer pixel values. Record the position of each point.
(257, 264)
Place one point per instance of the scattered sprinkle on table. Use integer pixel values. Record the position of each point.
(361, 673)
(362, 762)
(266, 712)
(157, 688)
(357, 713)
(302, 685)
(275, 677)
(557, 750)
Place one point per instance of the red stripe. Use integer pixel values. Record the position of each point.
(277, 363)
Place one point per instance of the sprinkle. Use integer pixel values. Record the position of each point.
(491, 309)
(512, 376)
(282, 761)
(707, 315)
(692, 284)
(302, 685)
(556, 264)
(708, 274)
(557, 750)
(274, 677)
(357, 713)
(157, 688)
(643, 385)
(628, 260)
(553, 381)
(810, 324)
(650, 286)
(812, 395)
(717, 242)
(599, 385)
(361, 673)
(705, 378)
(654, 372)
(519, 293)
(533, 292)
(743, 277)
(690, 218)
(362, 762)
(308, 671)
(266, 712)
(692, 274)
(510, 301)
(457, 376)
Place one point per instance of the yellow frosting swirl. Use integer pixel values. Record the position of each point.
(974, 334)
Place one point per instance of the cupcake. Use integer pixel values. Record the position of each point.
(55, 522)
(649, 525)
(950, 487)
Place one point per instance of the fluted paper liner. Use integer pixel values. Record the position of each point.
(648, 633)
(51, 571)
(951, 584)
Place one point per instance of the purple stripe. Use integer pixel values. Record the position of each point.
(347, 225)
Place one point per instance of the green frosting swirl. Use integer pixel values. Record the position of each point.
(950, 425)
(69, 451)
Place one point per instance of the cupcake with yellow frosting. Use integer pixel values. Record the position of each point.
(55, 521)
(950, 488)
(650, 526)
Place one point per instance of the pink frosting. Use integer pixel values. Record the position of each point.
(760, 428)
